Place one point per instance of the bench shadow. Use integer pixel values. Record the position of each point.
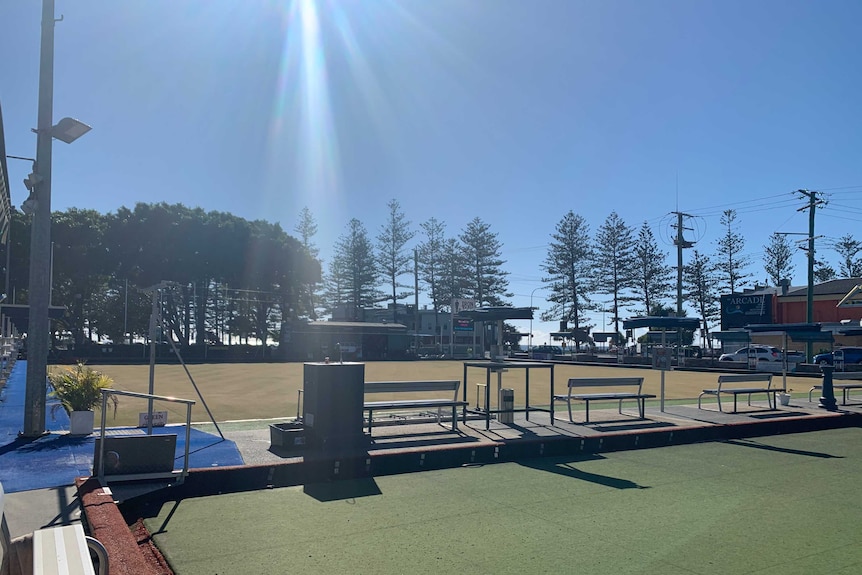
(771, 414)
(754, 444)
(342, 490)
(420, 440)
(627, 425)
(566, 468)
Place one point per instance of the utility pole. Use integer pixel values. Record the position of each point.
(813, 201)
(680, 244)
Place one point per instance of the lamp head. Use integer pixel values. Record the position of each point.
(69, 129)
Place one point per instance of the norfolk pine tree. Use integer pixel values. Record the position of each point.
(307, 229)
(568, 268)
(353, 275)
(701, 284)
(777, 258)
(614, 268)
(488, 282)
(730, 263)
(393, 260)
(653, 280)
(849, 266)
(432, 257)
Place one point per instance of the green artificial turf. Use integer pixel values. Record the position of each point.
(777, 505)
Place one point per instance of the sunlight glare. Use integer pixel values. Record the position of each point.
(302, 132)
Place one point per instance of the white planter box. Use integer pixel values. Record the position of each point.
(81, 422)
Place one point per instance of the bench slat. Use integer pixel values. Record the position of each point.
(576, 384)
(413, 403)
(410, 386)
(605, 381)
(604, 396)
(61, 550)
(730, 385)
(450, 385)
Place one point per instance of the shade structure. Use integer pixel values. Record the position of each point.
(661, 322)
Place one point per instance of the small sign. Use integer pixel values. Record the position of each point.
(661, 358)
(160, 419)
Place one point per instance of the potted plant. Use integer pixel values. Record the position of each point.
(80, 392)
(784, 397)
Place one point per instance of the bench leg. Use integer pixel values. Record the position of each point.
(718, 399)
(369, 421)
(643, 407)
(454, 418)
(571, 419)
(587, 417)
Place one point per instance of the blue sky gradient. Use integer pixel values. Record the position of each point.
(512, 111)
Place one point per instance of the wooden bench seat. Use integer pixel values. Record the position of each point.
(614, 388)
(739, 384)
(399, 387)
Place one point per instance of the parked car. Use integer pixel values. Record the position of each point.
(794, 356)
(762, 352)
(547, 351)
(851, 355)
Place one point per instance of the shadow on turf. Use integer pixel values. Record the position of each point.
(565, 467)
(341, 490)
(756, 445)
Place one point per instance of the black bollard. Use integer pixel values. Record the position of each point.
(827, 400)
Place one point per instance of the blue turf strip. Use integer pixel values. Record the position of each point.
(55, 459)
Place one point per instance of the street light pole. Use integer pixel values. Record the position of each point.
(39, 204)
(40, 238)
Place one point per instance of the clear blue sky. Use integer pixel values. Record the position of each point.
(514, 111)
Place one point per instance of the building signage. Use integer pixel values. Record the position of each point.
(461, 324)
(461, 304)
(740, 310)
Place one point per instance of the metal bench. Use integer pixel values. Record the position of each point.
(844, 387)
(61, 550)
(614, 385)
(740, 385)
(419, 403)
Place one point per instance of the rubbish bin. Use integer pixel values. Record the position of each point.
(507, 401)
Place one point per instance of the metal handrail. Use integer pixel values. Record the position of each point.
(189, 403)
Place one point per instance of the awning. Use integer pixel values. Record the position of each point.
(662, 322)
(488, 314)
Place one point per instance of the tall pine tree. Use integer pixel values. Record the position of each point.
(568, 271)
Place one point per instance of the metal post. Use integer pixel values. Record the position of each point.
(40, 239)
(827, 401)
(153, 335)
(809, 305)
